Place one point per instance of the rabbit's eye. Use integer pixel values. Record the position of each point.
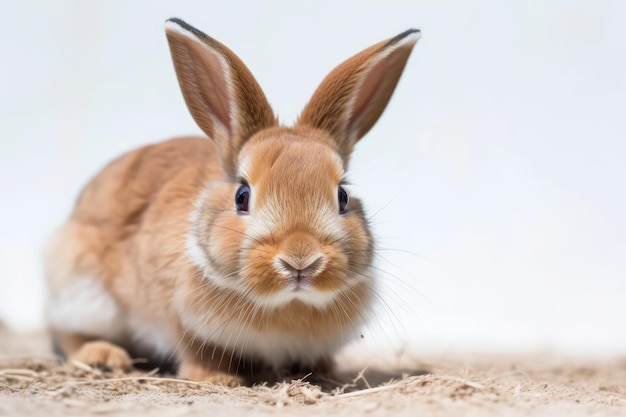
(242, 197)
(343, 199)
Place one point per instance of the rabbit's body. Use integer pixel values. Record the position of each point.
(105, 266)
(159, 261)
(114, 279)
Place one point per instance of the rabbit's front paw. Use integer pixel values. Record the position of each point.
(200, 374)
(103, 355)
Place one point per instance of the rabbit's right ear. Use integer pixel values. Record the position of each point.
(352, 97)
(222, 95)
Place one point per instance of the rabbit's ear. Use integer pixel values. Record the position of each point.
(222, 95)
(352, 97)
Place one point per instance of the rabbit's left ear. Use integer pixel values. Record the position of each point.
(352, 97)
(221, 93)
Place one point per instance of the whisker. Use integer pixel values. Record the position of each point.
(377, 212)
(243, 324)
(247, 335)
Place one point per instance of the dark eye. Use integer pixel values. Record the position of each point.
(242, 197)
(343, 199)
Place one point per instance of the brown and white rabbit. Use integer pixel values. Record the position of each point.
(234, 251)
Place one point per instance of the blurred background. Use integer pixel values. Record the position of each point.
(496, 177)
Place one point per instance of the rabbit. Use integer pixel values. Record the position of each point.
(238, 251)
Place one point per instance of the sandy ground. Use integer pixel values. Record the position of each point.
(33, 383)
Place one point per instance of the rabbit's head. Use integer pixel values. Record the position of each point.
(281, 228)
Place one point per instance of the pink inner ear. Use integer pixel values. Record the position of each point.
(366, 99)
(212, 87)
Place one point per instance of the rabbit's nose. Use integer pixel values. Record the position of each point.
(300, 257)
(301, 269)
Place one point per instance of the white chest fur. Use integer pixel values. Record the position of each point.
(274, 349)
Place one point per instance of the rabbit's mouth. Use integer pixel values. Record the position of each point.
(298, 291)
(300, 284)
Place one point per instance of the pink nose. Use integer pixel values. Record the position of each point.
(302, 268)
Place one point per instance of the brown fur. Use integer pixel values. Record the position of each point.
(132, 224)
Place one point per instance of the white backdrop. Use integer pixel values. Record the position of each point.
(497, 171)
